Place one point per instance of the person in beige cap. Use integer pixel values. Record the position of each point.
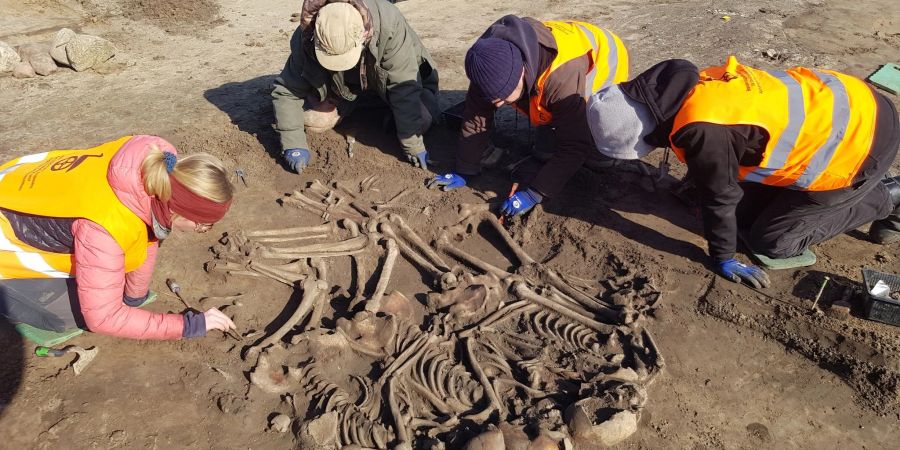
(344, 53)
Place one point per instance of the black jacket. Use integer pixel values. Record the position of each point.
(562, 96)
(713, 152)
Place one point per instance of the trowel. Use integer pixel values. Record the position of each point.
(81, 362)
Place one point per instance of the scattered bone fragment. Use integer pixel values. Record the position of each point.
(280, 423)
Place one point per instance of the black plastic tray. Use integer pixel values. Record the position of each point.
(882, 308)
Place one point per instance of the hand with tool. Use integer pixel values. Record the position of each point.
(197, 324)
(521, 202)
(737, 271)
(447, 182)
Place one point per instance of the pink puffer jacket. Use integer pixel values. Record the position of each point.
(100, 262)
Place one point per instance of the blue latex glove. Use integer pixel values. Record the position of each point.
(419, 159)
(521, 202)
(737, 271)
(447, 181)
(296, 159)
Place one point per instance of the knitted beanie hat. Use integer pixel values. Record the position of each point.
(495, 66)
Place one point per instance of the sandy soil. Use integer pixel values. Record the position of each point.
(745, 369)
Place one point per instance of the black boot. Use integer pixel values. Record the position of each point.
(887, 230)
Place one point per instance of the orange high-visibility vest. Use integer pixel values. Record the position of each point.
(65, 184)
(608, 62)
(821, 123)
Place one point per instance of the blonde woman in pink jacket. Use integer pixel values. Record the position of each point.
(79, 231)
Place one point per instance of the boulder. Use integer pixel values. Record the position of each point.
(85, 51)
(23, 70)
(38, 55)
(9, 58)
(58, 47)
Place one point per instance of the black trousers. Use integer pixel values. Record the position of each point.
(781, 223)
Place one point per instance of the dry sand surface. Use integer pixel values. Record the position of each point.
(743, 369)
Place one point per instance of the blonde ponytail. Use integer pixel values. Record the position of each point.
(204, 175)
(201, 173)
(156, 177)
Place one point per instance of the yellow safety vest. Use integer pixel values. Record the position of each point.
(65, 184)
(608, 62)
(821, 123)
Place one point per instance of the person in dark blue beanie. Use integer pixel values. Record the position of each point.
(496, 67)
(546, 70)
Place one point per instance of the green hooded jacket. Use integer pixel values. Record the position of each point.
(396, 68)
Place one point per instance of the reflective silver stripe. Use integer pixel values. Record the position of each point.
(796, 115)
(589, 78)
(840, 117)
(36, 263)
(612, 61)
(23, 160)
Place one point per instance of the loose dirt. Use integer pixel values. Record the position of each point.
(744, 369)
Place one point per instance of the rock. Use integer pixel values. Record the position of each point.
(23, 70)
(85, 51)
(839, 310)
(9, 58)
(43, 64)
(280, 423)
(38, 55)
(58, 47)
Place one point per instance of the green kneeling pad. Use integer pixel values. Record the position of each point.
(46, 338)
(49, 338)
(807, 258)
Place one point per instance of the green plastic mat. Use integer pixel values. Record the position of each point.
(46, 337)
(807, 258)
(887, 78)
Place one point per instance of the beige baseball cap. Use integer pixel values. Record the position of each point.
(339, 36)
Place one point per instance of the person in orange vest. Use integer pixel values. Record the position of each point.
(79, 231)
(785, 158)
(546, 70)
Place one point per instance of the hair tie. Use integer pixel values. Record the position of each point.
(170, 159)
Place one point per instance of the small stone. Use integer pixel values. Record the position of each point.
(58, 47)
(86, 51)
(771, 53)
(9, 58)
(38, 55)
(839, 310)
(23, 70)
(280, 423)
